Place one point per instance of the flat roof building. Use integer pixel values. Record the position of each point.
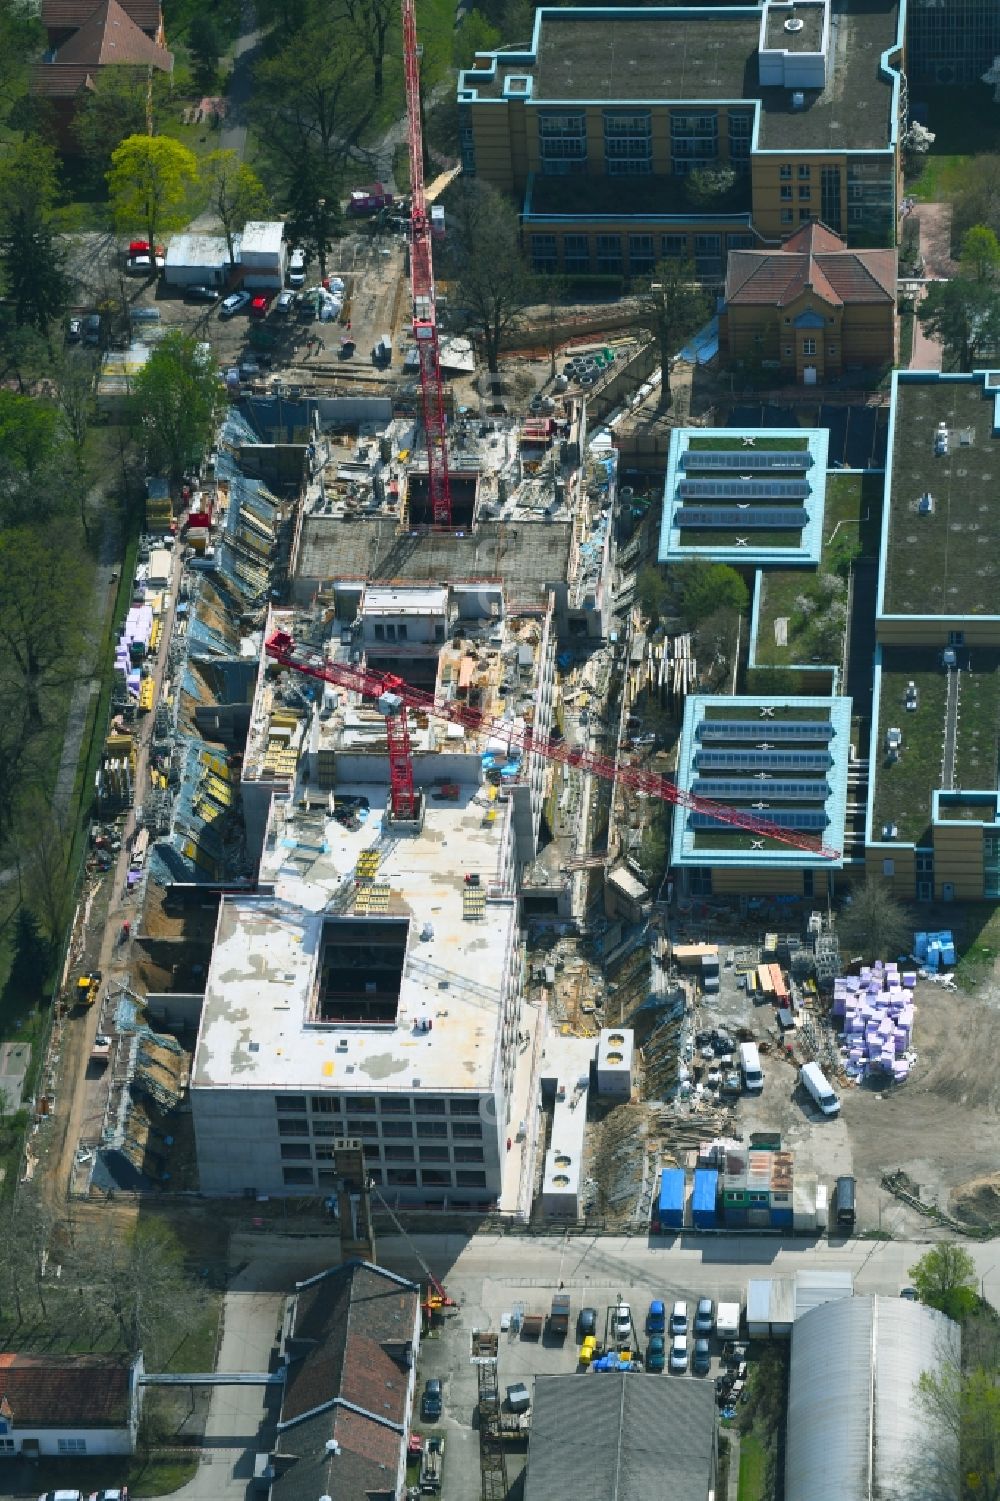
(781, 760)
(371, 989)
(933, 812)
(744, 497)
(597, 124)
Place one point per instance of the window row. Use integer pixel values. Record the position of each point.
(368, 1130)
(368, 1104)
(399, 1177)
(305, 1151)
(634, 254)
(804, 171)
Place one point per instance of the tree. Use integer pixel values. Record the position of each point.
(315, 220)
(205, 46)
(149, 183)
(671, 307)
(651, 591)
(234, 193)
(703, 588)
(34, 266)
(716, 642)
(44, 841)
(494, 284)
(371, 20)
(875, 924)
(112, 110)
(962, 1434)
(310, 112)
(27, 431)
(980, 254)
(177, 402)
(475, 34)
(39, 613)
(964, 315)
(32, 957)
(139, 1284)
(945, 1278)
(706, 185)
(652, 851)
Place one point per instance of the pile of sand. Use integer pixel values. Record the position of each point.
(978, 1201)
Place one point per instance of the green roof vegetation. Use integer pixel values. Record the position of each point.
(814, 601)
(903, 790)
(818, 714)
(734, 440)
(695, 536)
(946, 562)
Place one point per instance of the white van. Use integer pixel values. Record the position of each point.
(815, 1083)
(753, 1074)
(296, 268)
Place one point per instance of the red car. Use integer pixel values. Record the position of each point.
(259, 306)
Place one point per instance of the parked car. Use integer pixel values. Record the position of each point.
(678, 1355)
(622, 1320)
(144, 265)
(201, 294)
(119, 1495)
(233, 304)
(284, 303)
(296, 276)
(62, 1496)
(704, 1317)
(656, 1353)
(259, 305)
(92, 328)
(586, 1322)
(74, 328)
(432, 1401)
(702, 1359)
(910, 1294)
(679, 1319)
(656, 1318)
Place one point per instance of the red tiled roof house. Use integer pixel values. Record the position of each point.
(68, 1404)
(83, 40)
(812, 306)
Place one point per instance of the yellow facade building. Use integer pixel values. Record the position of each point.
(634, 135)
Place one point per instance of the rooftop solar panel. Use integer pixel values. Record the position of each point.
(762, 729)
(743, 489)
(752, 518)
(753, 791)
(762, 760)
(785, 818)
(747, 460)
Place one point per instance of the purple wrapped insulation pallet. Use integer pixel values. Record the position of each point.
(704, 1197)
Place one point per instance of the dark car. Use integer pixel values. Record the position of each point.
(701, 1360)
(704, 1317)
(431, 1402)
(201, 294)
(586, 1322)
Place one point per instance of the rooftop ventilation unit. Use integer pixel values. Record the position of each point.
(798, 98)
(925, 505)
(794, 24)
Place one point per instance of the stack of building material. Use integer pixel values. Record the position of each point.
(878, 1013)
(133, 644)
(935, 951)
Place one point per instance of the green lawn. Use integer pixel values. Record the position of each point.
(978, 722)
(965, 121)
(753, 1462)
(903, 789)
(851, 523)
(906, 318)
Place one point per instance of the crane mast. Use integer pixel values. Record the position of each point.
(394, 696)
(422, 285)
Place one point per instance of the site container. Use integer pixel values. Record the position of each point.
(670, 1210)
(703, 1201)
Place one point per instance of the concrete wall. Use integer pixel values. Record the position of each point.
(180, 1013)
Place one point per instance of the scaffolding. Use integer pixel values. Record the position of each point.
(492, 1461)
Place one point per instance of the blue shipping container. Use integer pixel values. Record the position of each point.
(671, 1207)
(703, 1201)
(736, 1216)
(781, 1218)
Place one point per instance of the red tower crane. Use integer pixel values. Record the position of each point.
(422, 284)
(394, 697)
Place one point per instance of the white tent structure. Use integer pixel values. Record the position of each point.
(857, 1429)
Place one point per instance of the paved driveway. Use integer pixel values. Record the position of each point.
(236, 1413)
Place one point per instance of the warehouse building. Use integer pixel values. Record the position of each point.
(597, 126)
(933, 814)
(856, 1426)
(632, 1439)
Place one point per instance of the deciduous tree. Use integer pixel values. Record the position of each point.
(40, 608)
(874, 925)
(305, 100)
(372, 20)
(234, 193)
(980, 254)
(138, 1280)
(964, 315)
(962, 1420)
(34, 265)
(703, 588)
(315, 220)
(176, 403)
(150, 182)
(671, 307)
(110, 112)
(205, 46)
(945, 1278)
(494, 284)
